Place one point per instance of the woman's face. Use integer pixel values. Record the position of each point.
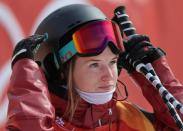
(96, 73)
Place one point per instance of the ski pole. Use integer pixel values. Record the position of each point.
(127, 27)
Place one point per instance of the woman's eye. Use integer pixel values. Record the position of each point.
(113, 62)
(94, 65)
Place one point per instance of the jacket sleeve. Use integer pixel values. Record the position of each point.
(29, 102)
(163, 118)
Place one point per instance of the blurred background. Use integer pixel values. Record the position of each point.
(160, 19)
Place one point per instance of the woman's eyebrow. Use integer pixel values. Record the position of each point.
(116, 57)
(96, 60)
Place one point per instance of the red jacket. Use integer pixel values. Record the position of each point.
(32, 107)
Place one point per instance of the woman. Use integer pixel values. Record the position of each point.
(81, 69)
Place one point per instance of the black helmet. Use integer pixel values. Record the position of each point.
(60, 25)
(66, 19)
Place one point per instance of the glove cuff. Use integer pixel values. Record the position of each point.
(158, 53)
(21, 56)
(154, 55)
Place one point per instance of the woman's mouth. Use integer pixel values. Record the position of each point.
(106, 87)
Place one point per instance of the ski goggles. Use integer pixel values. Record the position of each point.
(92, 39)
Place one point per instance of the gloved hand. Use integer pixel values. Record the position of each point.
(138, 48)
(26, 48)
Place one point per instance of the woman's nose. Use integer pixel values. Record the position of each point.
(107, 73)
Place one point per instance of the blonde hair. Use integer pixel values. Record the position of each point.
(73, 97)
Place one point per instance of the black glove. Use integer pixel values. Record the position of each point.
(138, 48)
(26, 48)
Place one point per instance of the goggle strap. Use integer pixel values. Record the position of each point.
(67, 51)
